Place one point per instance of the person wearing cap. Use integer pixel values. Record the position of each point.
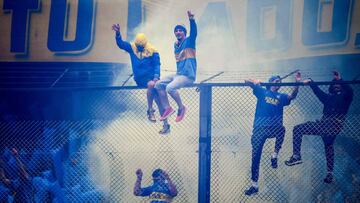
(162, 190)
(184, 49)
(145, 60)
(268, 123)
(336, 105)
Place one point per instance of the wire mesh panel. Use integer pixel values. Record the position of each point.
(233, 142)
(94, 157)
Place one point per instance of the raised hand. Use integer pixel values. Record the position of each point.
(139, 173)
(307, 81)
(298, 76)
(254, 81)
(190, 15)
(164, 175)
(336, 75)
(116, 27)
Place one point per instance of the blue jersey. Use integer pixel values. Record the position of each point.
(185, 54)
(145, 65)
(158, 192)
(269, 107)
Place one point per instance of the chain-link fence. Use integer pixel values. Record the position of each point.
(91, 155)
(232, 132)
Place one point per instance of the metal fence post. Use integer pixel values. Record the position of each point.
(205, 144)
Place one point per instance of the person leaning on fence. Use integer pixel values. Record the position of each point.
(268, 123)
(162, 190)
(336, 105)
(184, 49)
(145, 61)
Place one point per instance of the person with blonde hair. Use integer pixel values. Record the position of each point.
(145, 60)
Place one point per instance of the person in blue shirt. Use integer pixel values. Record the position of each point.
(145, 60)
(162, 190)
(268, 123)
(185, 55)
(336, 105)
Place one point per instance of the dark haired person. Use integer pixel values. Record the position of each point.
(336, 105)
(185, 55)
(162, 190)
(268, 123)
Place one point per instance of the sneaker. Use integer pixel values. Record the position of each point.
(151, 116)
(293, 161)
(168, 112)
(165, 130)
(180, 114)
(274, 162)
(251, 191)
(329, 178)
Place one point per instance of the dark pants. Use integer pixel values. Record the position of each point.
(260, 134)
(326, 128)
(144, 81)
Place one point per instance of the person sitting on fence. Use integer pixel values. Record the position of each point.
(162, 190)
(184, 49)
(268, 123)
(336, 105)
(145, 60)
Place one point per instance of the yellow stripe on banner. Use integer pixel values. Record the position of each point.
(185, 54)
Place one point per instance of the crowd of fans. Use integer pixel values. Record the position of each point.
(56, 175)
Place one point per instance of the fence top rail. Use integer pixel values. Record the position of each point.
(197, 85)
(281, 84)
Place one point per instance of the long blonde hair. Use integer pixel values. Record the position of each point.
(141, 39)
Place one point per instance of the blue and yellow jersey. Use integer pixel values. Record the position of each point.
(145, 64)
(185, 53)
(157, 192)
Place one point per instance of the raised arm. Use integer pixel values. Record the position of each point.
(172, 186)
(137, 187)
(23, 173)
(193, 27)
(347, 91)
(252, 82)
(296, 88)
(3, 179)
(121, 43)
(258, 91)
(321, 95)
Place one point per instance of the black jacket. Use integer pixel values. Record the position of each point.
(336, 105)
